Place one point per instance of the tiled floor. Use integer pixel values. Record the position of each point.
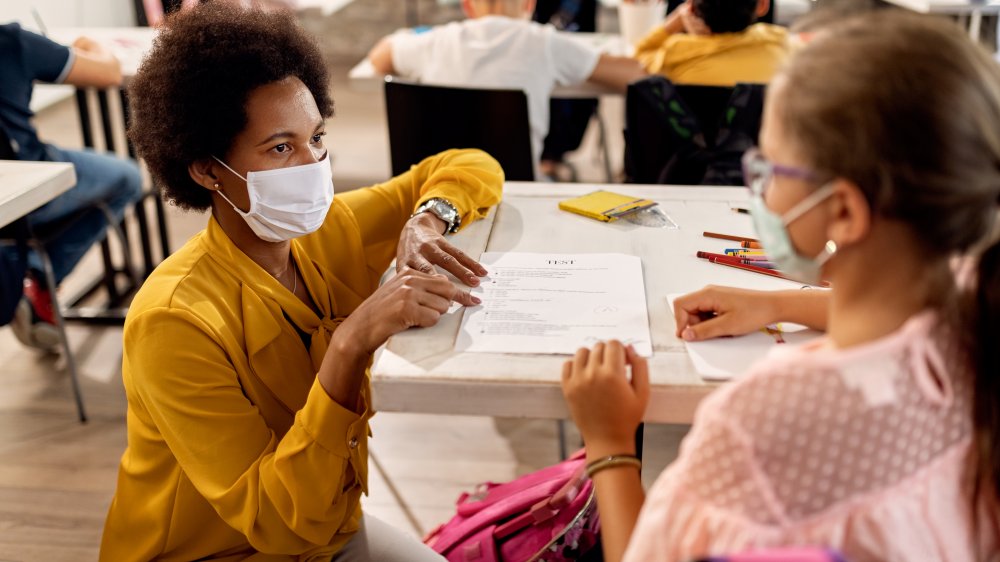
(57, 476)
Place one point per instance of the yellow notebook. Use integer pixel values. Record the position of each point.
(605, 206)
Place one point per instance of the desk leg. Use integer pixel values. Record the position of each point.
(84, 112)
(109, 134)
(975, 23)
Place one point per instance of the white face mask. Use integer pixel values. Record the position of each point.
(288, 202)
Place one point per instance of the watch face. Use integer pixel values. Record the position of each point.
(444, 211)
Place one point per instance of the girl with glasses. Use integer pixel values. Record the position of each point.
(879, 167)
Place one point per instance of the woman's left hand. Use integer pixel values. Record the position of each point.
(422, 246)
(604, 403)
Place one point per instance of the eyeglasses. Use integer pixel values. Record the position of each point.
(758, 171)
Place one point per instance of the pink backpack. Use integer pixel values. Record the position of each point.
(549, 515)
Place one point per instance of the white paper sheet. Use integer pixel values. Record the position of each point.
(727, 358)
(556, 303)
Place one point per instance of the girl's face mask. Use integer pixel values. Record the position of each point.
(286, 203)
(772, 228)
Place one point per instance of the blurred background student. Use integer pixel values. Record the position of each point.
(497, 47)
(715, 43)
(100, 179)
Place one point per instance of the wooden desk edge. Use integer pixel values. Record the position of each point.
(674, 404)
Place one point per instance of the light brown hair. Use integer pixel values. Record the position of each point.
(908, 108)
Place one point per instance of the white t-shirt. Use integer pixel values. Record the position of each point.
(497, 52)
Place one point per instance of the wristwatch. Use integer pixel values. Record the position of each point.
(443, 210)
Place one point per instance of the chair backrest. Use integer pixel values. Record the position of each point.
(424, 120)
(6, 146)
(685, 134)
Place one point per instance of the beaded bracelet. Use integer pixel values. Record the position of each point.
(611, 461)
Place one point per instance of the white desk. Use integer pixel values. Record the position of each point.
(420, 371)
(26, 186)
(363, 77)
(973, 9)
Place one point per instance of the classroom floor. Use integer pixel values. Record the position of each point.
(57, 476)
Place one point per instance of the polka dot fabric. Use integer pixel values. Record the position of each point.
(864, 450)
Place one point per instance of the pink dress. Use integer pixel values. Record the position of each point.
(865, 450)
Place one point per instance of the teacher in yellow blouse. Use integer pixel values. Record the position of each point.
(246, 352)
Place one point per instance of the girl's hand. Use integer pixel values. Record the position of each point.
(422, 246)
(715, 311)
(605, 405)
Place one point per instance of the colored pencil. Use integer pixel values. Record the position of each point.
(743, 252)
(741, 239)
(751, 244)
(735, 259)
(762, 270)
(741, 210)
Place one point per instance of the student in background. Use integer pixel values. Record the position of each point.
(246, 352)
(24, 58)
(881, 439)
(497, 47)
(715, 43)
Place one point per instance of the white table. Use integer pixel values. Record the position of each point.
(973, 9)
(26, 186)
(363, 77)
(420, 371)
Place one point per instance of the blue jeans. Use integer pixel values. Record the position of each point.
(99, 178)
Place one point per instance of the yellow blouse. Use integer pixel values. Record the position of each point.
(235, 451)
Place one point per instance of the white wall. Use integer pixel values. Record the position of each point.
(69, 13)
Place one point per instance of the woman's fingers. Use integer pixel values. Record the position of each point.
(466, 261)
(452, 264)
(441, 286)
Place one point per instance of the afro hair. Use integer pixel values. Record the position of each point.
(188, 99)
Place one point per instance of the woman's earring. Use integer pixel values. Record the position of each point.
(216, 185)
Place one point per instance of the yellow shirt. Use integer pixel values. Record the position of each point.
(720, 59)
(235, 451)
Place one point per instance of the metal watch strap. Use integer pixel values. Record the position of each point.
(444, 210)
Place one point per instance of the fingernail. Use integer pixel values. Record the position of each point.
(688, 334)
(473, 280)
(476, 299)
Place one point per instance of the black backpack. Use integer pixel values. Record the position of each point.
(689, 135)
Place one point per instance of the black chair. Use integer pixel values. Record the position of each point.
(22, 235)
(425, 120)
(695, 135)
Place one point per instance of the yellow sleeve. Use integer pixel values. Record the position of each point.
(285, 495)
(469, 179)
(648, 49)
